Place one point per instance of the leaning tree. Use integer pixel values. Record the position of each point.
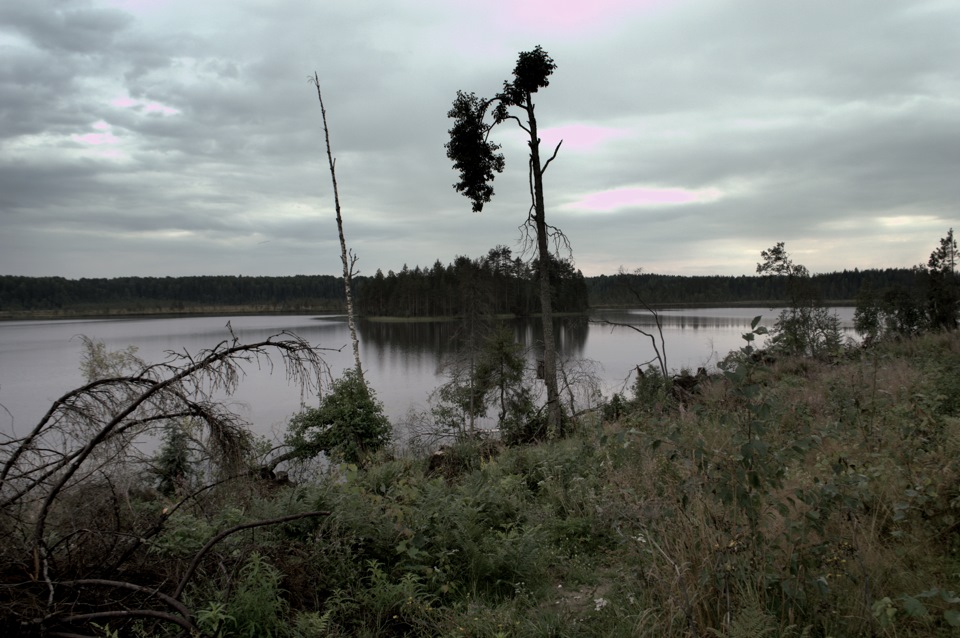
(477, 159)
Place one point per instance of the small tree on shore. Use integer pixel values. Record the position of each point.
(805, 327)
(348, 425)
(931, 303)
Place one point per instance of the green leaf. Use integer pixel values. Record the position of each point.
(952, 616)
(755, 322)
(914, 607)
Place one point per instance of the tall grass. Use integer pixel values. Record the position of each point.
(793, 499)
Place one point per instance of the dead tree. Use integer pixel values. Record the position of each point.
(657, 341)
(74, 550)
(347, 257)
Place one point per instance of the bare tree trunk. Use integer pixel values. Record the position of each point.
(554, 425)
(348, 259)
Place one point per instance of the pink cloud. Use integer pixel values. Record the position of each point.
(96, 139)
(578, 136)
(569, 17)
(104, 137)
(607, 201)
(145, 105)
(138, 5)
(125, 102)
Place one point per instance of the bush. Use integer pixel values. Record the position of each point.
(348, 426)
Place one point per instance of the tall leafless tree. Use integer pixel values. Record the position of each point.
(347, 257)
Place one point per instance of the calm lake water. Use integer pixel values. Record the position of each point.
(403, 361)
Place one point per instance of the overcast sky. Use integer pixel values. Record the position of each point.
(175, 137)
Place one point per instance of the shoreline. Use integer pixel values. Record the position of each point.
(216, 311)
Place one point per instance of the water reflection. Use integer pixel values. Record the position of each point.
(709, 318)
(443, 339)
(39, 361)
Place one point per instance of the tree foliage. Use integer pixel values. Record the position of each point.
(485, 372)
(618, 289)
(473, 155)
(805, 327)
(930, 300)
(505, 283)
(944, 289)
(348, 425)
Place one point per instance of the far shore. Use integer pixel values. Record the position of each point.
(218, 311)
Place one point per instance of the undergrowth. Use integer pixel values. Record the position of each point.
(793, 498)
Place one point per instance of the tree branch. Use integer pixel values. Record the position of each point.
(219, 537)
(169, 600)
(552, 157)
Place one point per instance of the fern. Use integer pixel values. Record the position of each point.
(751, 622)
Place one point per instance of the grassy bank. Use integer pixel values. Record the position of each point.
(797, 498)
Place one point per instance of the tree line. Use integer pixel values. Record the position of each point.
(497, 283)
(164, 294)
(508, 282)
(624, 288)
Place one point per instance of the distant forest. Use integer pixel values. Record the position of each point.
(504, 284)
(837, 287)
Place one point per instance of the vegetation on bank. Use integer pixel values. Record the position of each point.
(795, 497)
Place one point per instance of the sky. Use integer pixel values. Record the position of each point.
(175, 137)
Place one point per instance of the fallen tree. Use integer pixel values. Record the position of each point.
(79, 510)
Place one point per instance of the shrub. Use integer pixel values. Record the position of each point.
(348, 425)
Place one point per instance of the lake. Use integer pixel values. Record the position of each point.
(403, 361)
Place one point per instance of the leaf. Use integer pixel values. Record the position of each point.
(755, 322)
(914, 607)
(952, 616)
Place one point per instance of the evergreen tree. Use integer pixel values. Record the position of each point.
(477, 160)
(348, 425)
(943, 292)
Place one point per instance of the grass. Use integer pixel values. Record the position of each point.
(802, 498)
(815, 499)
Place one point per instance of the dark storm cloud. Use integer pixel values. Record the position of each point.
(64, 27)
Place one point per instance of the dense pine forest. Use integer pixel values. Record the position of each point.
(169, 294)
(503, 283)
(499, 282)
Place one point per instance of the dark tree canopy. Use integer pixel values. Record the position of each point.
(776, 261)
(944, 258)
(530, 75)
(470, 150)
(475, 157)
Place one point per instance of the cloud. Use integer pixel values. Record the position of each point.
(56, 26)
(621, 198)
(173, 137)
(579, 137)
(567, 19)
